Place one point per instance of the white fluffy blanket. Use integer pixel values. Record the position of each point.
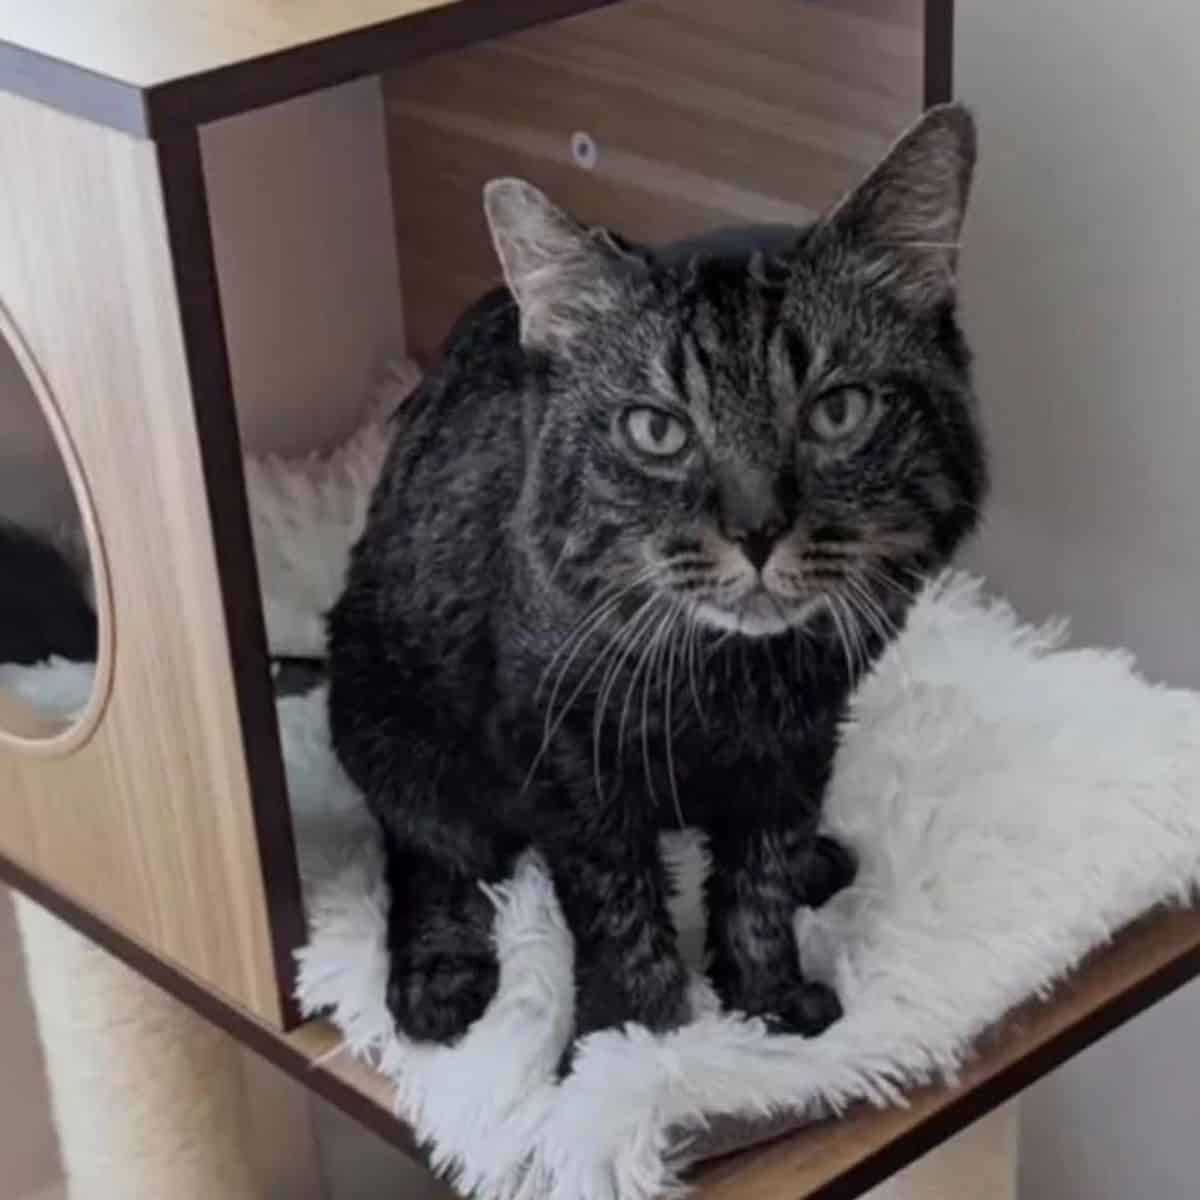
(1012, 804)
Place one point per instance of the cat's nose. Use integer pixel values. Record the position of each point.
(757, 544)
(754, 510)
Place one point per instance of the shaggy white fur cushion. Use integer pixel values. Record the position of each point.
(1012, 804)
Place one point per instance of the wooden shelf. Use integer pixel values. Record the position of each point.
(151, 68)
(844, 1158)
(834, 1160)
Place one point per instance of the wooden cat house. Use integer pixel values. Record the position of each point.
(215, 215)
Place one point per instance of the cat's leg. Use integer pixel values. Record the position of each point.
(443, 970)
(753, 959)
(820, 868)
(613, 889)
(445, 833)
(444, 840)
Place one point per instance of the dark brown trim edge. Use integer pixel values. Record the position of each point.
(939, 51)
(239, 1025)
(977, 1101)
(164, 109)
(185, 204)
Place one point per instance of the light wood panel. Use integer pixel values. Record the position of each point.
(149, 824)
(148, 42)
(151, 68)
(704, 113)
(300, 208)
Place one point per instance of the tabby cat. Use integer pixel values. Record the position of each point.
(640, 532)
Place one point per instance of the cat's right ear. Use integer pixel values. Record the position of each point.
(561, 275)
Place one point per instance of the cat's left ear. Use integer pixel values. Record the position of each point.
(561, 275)
(908, 212)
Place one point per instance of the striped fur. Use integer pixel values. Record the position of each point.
(555, 634)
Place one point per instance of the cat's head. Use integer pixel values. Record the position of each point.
(757, 437)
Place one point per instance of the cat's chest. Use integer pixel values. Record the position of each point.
(665, 727)
(704, 771)
(678, 727)
(634, 698)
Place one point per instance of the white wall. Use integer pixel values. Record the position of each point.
(1082, 293)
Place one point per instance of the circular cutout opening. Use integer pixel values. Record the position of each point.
(55, 617)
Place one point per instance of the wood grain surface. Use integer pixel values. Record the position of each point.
(150, 68)
(150, 823)
(702, 112)
(148, 42)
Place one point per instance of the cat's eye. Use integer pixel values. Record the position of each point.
(837, 414)
(655, 432)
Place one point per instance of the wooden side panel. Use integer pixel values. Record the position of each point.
(149, 824)
(702, 112)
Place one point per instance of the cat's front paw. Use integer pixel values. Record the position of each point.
(611, 994)
(825, 868)
(786, 1002)
(657, 998)
(437, 997)
(806, 1008)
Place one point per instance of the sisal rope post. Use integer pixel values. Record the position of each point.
(148, 1097)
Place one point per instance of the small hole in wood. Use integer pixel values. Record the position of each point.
(584, 151)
